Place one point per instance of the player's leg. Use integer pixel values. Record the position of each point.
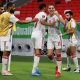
(37, 43)
(58, 46)
(51, 55)
(74, 57)
(4, 62)
(50, 47)
(6, 48)
(68, 68)
(35, 70)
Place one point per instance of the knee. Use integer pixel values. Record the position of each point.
(50, 56)
(73, 55)
(59, 58)
(37, 54)
(6, 54)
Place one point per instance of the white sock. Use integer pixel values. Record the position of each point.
(75, 60)
(36, 62)
(4, 63)
(59, 64)
(68, 62)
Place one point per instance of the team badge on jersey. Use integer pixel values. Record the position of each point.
(43, 16)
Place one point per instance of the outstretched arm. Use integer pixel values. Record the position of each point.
(60, 17)
(23, 21)
(47, 23)
(27, 21)
(14, 20)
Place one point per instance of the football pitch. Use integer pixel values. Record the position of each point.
(21, 68)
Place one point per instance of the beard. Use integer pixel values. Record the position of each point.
(12, 11)
(69, 19)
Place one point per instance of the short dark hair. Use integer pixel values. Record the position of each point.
(42, 6)
(51, 5)
(9, 4)
(1, 5)
(69, 12)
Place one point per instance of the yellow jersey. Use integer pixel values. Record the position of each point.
(72, 24)
(5, 24)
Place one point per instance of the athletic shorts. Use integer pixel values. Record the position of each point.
(37, 39)
(72, 42)
(6, 43)
(54, 43)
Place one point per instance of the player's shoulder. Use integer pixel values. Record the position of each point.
(41, 13)
(6, 14)
(73, 20)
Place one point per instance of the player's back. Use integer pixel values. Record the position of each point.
(37, 25)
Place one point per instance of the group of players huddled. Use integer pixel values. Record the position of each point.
(54, 40)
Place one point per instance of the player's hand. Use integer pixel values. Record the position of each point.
(64, 34)
(56, 13)
(27, 21)
(52, 23)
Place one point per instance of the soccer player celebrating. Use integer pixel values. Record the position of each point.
(70, 29)
(54, 40)
(38, 36)
(7, 19)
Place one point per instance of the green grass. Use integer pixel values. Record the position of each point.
(21, 68)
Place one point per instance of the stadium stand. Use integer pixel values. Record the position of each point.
(30, 9)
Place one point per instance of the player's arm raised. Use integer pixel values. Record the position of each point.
(60, 17)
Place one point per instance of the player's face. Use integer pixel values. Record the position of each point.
(12, 9)
(68, 16)
(51, 9)
(1, 10)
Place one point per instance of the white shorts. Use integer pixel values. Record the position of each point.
(37, 39)
(51, 43)
(72, 42)
(6, 43)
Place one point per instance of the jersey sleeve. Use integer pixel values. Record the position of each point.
(73, 24)
(41, 16)
(13, 19)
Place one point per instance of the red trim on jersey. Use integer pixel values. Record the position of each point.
(36, 22)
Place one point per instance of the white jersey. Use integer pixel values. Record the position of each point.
(38, 26)
(55, 30)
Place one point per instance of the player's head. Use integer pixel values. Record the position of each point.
(42, 7)
(11, 7)
(68, 14)
(51, 9)
(1, 9)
